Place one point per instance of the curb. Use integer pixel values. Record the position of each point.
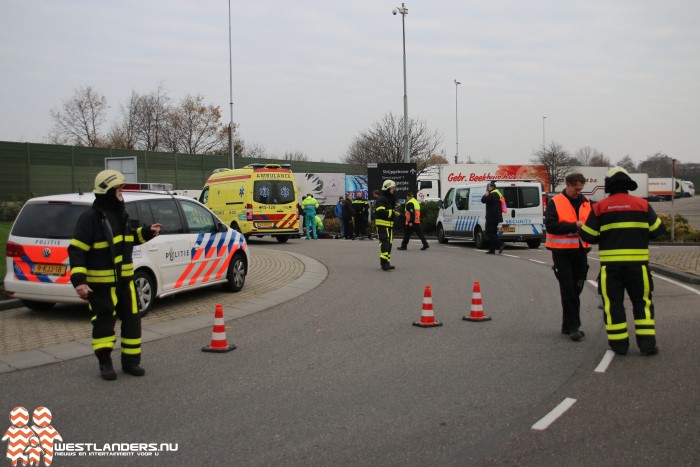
(684, 277)
(10, 304)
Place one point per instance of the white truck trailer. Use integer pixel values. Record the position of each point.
(595, 182)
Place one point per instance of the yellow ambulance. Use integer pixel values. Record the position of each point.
(258, 200)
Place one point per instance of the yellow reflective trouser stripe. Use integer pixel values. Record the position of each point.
(127, 341)
(134, 303)
(383, 223)
(79, 244)
(648, 320)
(624, 225)
(615, 331)
(131, 351)
(647, 300)
(103, 342)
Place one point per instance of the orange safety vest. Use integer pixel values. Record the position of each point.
(566, 213)
(416, 208)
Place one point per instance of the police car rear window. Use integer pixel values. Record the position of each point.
(48, 220)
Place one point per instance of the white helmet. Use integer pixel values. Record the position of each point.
(388, 184)
(108, 179)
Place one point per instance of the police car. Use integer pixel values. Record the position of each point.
(194, 249)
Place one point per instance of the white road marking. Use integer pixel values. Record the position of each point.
(537, 261)
(593, 283)
(676, 283)
(594, 259)
(605, 362)
(510, 256)
(552, 416)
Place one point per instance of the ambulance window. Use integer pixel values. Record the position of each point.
(273, 192)
(165, 212)
(204, 196)
(198, 218)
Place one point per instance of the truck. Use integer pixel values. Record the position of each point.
(688, 188)
(594, 188)
(434, 181)
(665, 188)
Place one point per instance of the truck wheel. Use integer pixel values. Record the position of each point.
(145, 291)
(37, 306)
(534, 243)
(441, 234)
(479, 240)
(282, 238)
(236, 273)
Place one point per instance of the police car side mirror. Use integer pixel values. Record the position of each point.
(221, 227)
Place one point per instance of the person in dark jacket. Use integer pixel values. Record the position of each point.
(564, 215)
(622, 225)
(361, 211)
(347, 217)
(385, 223)
(102, 273)
(338, 210)
(494, 216)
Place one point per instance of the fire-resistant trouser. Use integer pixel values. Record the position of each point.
(570, 268)
(636, 280)
(386, 236)
(408, 230)
(109, 303)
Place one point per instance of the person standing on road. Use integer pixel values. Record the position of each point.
(309, 205)
(564, 215)
(622, 225)
(338, 210)
(347, 217)
(360, 210)
(493, 199)
(385, 223)
(102, 273)
(412, 213)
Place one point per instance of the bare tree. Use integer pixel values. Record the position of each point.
(556, 160)
(296, 156)
(588, 156)
(194, 128)
(152, 110)
(658, 165)
(627, 163)
(123, 134)
(80, 120)
(384, 142)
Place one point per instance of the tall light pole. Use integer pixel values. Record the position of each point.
(543, 143)
(457, 83)
(230, 81)
(407, 150)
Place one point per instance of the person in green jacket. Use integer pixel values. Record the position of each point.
(309, 205)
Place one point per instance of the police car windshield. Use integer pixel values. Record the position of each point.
(48, 220)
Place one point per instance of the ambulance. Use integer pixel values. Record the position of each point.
(462, 215)
(258, 200)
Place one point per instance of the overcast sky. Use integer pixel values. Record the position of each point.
(620, 76)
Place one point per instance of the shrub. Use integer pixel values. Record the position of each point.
(683, 231)
(9, 210)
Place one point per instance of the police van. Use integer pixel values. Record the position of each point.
(462, 215)
(258, 199)
(195, 249)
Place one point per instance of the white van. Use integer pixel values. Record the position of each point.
(462, 215)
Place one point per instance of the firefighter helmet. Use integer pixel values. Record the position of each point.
(388, 184)
(108, 179)
(617, 178)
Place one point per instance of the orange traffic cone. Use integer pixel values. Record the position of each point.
(218, 335)
(477, 311)
(427, 318)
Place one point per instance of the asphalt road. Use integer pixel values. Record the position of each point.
(339, 376)
(689, 207)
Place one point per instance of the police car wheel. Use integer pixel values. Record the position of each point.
(236, 274)
(38, 306)
(145, 291)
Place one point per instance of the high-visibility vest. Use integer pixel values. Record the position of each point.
(504, 208)
(566, 213)
(416, 209)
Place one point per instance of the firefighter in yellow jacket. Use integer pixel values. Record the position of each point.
(412, 213)
(102, 273)
(384, 213)
(564, 215)
(622, 225)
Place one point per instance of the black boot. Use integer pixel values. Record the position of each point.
(131, 365)
(106, 369)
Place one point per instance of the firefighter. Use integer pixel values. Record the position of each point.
(102, 273)
(622, 225)
(385, 223)
(412, 213)
(564, 215)
(360, 209)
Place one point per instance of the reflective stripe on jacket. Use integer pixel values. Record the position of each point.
(567, 213)
(412, 210)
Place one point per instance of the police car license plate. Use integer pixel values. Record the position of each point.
(265, 225)
(507, 229)
(50, 269)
